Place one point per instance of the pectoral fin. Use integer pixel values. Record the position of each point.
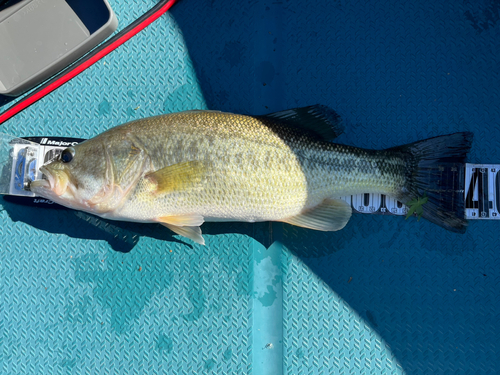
(193, 233)
(176, 177)
(329, 216)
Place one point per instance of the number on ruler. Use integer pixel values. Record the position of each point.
(469, 199)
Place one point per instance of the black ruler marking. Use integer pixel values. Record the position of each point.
(484, 197)
(497, 191)
(469, 199)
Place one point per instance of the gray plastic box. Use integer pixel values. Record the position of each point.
(38, 38)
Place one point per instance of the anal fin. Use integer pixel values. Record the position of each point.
(331, 215)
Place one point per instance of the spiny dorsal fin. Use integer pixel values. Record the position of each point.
(329, 216)
(176, 177)
(319, 119)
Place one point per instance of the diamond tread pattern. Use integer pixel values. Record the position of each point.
(383, 296)
(396, 73)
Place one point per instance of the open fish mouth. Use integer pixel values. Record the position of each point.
(45, 183)
(47, 177)
(37, 184)
(50, 182)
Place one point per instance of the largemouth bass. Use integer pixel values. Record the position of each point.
(186, 168)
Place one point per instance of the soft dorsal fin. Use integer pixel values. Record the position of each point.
(319, 119)
(329, 216)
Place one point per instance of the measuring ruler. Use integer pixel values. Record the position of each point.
(480, 185)
(482, 191)
(477, 184)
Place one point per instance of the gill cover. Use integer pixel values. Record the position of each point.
(95, 176)
(124, 168)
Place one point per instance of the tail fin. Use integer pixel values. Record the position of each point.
(436, 168)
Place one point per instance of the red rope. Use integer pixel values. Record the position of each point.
(29, 100)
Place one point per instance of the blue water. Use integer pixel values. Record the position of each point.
(384, 295)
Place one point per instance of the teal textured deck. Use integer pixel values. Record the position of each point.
(384, 296)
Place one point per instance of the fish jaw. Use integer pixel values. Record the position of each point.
(57, 187)
(58, 180)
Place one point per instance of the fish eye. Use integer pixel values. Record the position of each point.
(67, 155)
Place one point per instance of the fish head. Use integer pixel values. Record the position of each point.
(82, 177)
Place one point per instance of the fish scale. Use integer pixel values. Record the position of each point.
(256, 171)
(185, 168)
